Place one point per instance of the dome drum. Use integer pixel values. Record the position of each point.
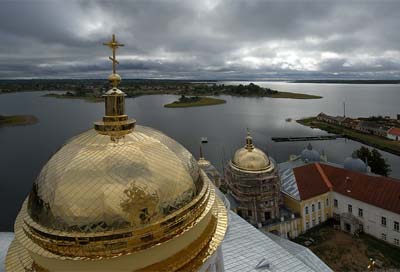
(210, 224)
(110, 243)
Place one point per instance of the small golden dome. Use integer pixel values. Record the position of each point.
(250, 158)
(93, 184)
(253, 160)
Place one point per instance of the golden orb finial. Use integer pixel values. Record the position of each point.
(114, 78)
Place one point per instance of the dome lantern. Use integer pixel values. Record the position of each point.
(249, 141)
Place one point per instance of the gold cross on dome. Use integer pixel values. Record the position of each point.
(113, 44)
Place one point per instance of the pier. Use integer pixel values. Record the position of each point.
(306, 138)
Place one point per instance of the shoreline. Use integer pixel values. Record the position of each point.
(93, 99)
(281, 95)
(367, 139)
(92, 89)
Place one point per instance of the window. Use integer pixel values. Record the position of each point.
(383, 221)
(384, 236)
(396, 242)
(396, 226)
(249, 213)
(327, 202)
(350, 208)
(307, 225)
(319, 219)
(319, 205)
(360, 212)
(306, 210)
(335, 203)
(313, 208)
(313, 222)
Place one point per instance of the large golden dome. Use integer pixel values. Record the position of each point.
(93, 184)
(119, 197)
(250, 158)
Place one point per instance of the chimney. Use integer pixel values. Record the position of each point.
(347, 184)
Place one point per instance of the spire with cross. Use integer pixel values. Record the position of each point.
(115, 122)
(114, 44)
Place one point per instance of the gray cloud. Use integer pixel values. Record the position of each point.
(201, 39)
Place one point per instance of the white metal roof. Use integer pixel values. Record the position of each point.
(245, 248)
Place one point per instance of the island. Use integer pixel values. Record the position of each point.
(194, 101)
(17, 120)
(373, 131)
(293, 95)
(92, 89)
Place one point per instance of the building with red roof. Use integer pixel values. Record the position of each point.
(360, 201)
(394, 134)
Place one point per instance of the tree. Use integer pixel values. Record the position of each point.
(374, 160)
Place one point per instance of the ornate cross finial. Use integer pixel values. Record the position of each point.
(113, 44)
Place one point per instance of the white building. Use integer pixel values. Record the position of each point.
(356, 215)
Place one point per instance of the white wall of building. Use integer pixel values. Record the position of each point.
(393, 137)
(371, 219)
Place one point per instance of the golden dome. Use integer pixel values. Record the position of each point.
(250, 158)
(93, 184)
(119, 197)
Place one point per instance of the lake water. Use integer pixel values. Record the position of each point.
(25, 149)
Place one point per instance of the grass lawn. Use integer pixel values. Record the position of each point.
(344, 252)
(372, 140)
(294, 95)
(203, 101)
(15, 120)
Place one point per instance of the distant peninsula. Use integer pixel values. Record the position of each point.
(372, 131)
(92, 90)
(194, 101)
(17, 120)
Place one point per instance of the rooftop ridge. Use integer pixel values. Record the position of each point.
(324, 177)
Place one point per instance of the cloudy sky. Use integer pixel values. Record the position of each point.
(207, 39)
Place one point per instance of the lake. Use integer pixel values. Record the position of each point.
(25, 149)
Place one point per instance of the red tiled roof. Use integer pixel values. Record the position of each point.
(309, 181)
(379, 191)
(394, 131)
(376, 190)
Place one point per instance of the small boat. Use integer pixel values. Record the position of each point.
(204, 140)
(288, 119)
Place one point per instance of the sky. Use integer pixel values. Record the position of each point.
(207, 39)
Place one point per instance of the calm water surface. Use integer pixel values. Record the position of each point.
(25, 149)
